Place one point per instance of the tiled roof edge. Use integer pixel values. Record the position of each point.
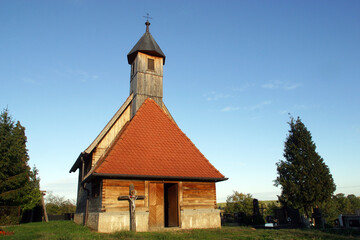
(152, 177)
(108, 150)
(121, 134)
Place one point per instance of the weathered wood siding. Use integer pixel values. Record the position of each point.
(110, 136)
(81, 196)
(112, 189)
(145, 83)
(192, 195)
(94, 203)
(196, 195)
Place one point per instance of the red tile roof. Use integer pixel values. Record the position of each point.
(151, 144)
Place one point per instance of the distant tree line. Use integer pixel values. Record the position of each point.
(243, 205)
(340, 204)
(57, 205)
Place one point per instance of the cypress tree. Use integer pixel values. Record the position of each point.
(18, 183)
(304, 178)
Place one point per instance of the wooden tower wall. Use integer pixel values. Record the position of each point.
(145, 82)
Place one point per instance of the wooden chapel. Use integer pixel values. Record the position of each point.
(142, 146)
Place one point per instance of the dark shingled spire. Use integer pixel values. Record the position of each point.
(146, 44)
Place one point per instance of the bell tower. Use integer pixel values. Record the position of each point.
(146, 75)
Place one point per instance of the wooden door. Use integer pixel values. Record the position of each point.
(156, 205)
(172, 205)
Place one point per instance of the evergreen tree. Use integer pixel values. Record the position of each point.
(18, 183)
(304, 178)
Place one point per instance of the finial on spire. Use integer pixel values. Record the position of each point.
(147, 23)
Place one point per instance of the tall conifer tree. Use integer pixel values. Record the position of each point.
(304, 178)
(18, 183)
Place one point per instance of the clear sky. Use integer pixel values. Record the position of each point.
(233, 72)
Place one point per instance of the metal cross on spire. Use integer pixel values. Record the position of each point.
(147, 21)
(147, 17)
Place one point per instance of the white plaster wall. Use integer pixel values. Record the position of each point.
(200, 218)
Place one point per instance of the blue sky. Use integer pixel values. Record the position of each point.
(233, 72)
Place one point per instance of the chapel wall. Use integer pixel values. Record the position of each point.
(198, 195)
(113, 188)
(198, 205)
(95, 204)
(81, 196)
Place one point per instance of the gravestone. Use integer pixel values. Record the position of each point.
(257, 218)
(288, 216)
(319, 220)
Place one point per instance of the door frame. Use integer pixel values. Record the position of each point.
(179, 198)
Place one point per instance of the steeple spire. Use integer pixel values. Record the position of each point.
(146, 77)
(147, 23)
(147, 26)
(146, 44)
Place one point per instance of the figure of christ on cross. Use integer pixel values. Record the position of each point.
(132, 197)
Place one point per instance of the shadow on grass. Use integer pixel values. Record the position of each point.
(343, 232)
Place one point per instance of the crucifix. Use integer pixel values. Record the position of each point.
(131, 198)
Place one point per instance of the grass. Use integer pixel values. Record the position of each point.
(67, 230)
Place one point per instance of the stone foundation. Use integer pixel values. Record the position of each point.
(200, 218)
(78, 218)
(120, 221)
(113, 221)
(108, 222)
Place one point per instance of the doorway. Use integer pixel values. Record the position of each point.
(171, 206)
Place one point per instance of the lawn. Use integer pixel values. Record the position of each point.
(66, 230)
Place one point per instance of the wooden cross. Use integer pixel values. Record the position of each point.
(131, 198)
(43, 193)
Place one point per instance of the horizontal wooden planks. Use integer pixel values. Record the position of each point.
(113, 188)
(198, 195)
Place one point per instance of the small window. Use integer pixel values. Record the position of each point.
(151, 64)
(133, 68)
(95, 189)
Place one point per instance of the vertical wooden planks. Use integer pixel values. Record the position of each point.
(156, 205)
